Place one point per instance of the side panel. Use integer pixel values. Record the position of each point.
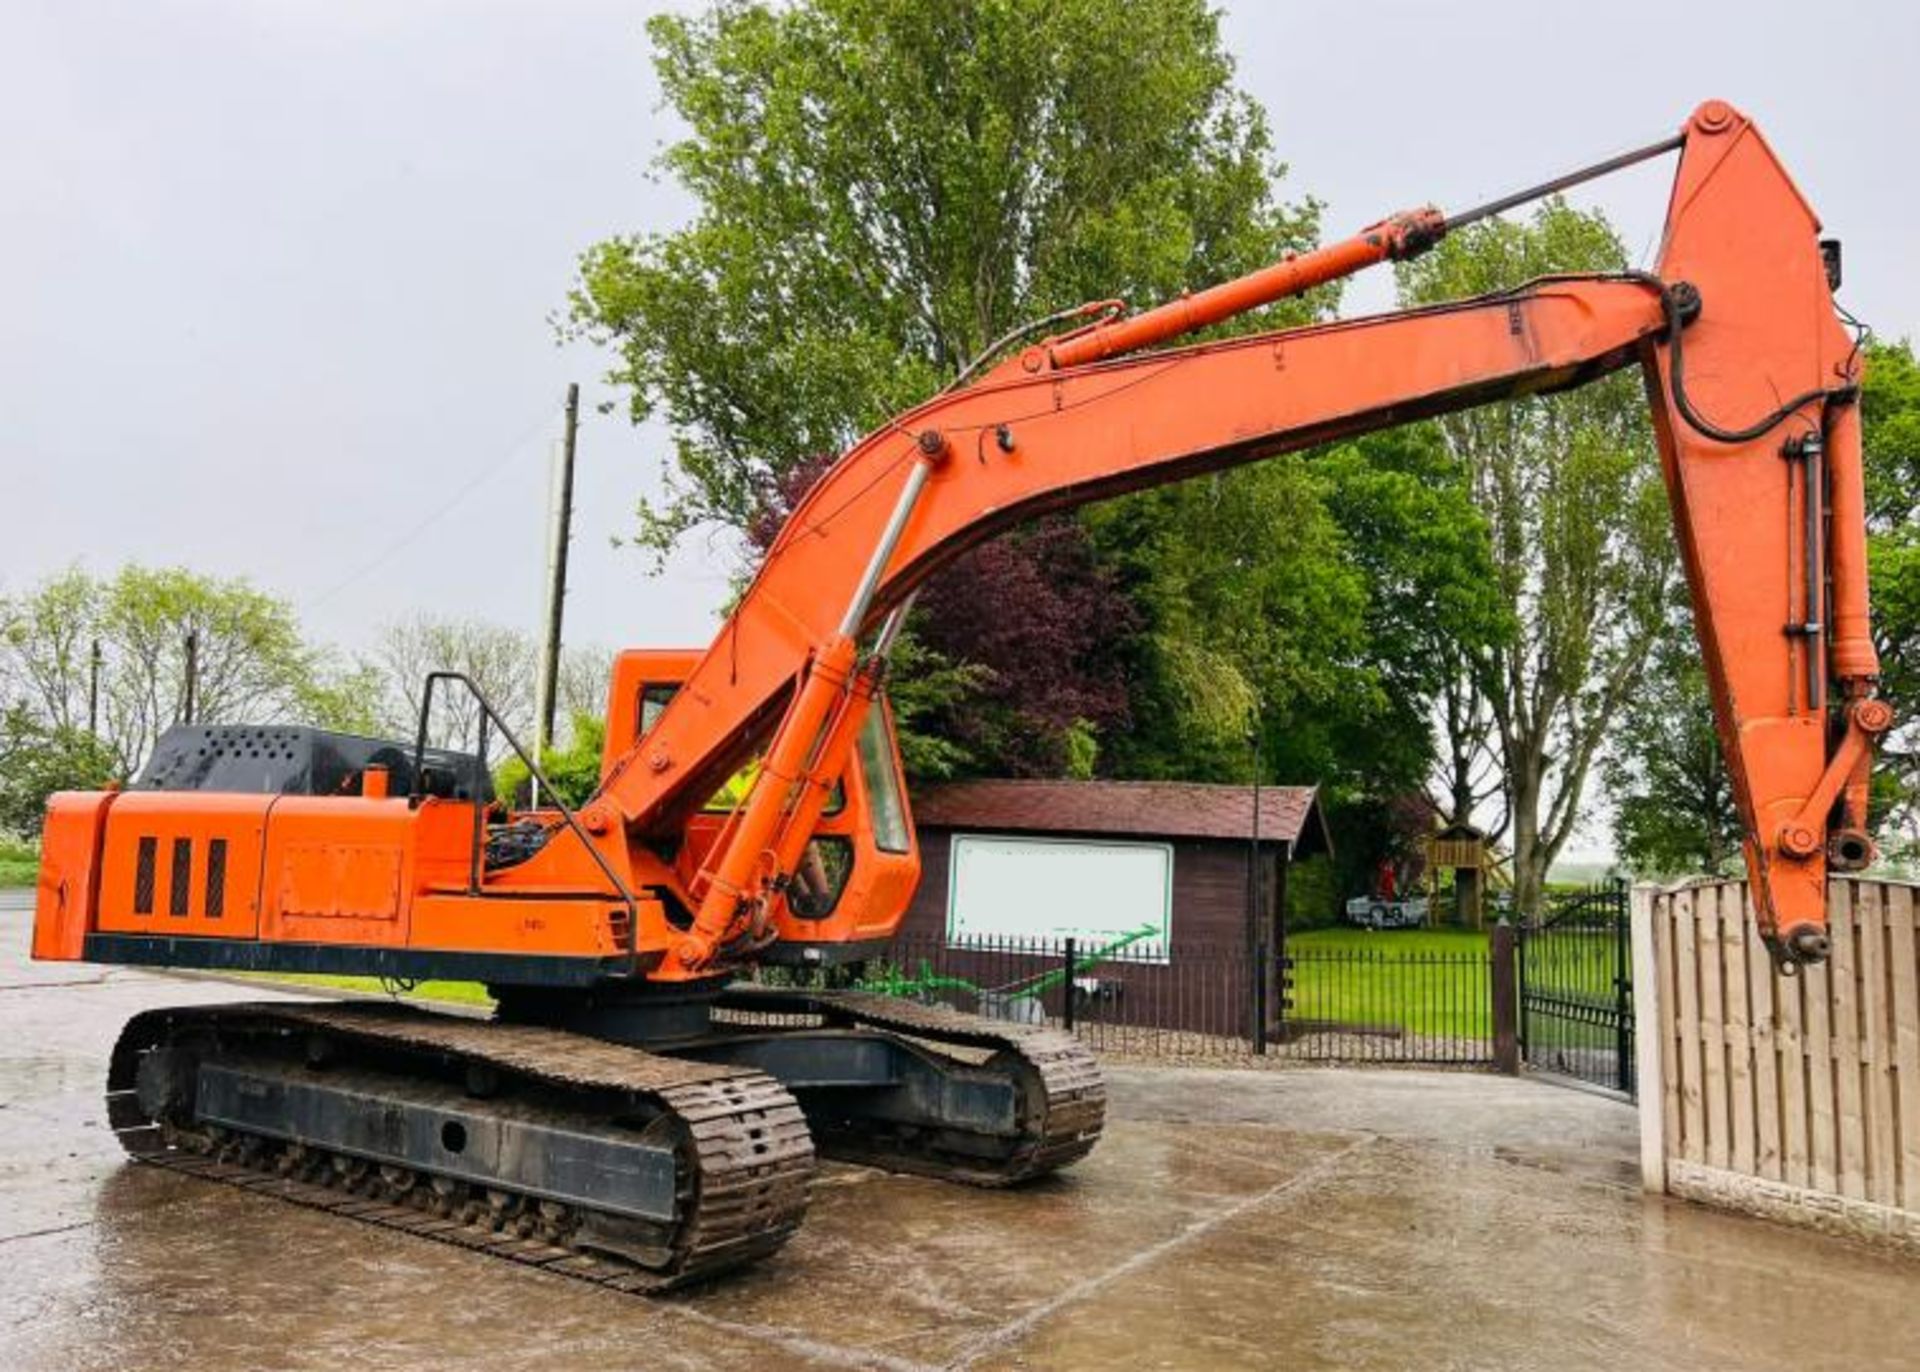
(183, 864)
(69, 873)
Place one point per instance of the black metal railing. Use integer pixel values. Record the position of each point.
(1384, 1003)
(1576, 987)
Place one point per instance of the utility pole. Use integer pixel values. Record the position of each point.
(1258, 949)
(193, 674)
(93, 690)
(559, 535)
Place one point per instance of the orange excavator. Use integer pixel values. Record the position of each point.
(632, 1113)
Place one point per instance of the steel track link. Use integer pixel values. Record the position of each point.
(749, 1157)
(1060, 1125)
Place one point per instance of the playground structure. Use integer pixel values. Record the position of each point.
(1466, 851)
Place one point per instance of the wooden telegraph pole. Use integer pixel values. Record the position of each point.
(560, 534)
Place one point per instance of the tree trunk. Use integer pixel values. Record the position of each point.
(1530, 856)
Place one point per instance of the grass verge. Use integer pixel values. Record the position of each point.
(19, 862)
(448, 992)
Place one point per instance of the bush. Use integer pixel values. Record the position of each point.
(19, 861)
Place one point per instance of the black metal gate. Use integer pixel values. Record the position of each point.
(1575, 972)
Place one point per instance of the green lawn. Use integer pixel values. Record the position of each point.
(1428, 982)
(454, 992)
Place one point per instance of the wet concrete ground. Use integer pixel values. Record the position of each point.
(1299, 1219)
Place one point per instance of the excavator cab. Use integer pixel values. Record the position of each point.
(857, 875)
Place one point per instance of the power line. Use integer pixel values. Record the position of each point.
(408, 539)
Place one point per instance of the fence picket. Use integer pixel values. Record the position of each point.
(1904, 962)
(1843, 1006)
(1823, 1153)
(1739, 1032)
(1791, 1035)
(1876, 1042)
(1763, 1020)
(1713, 1032)
(1691, 1059)
(1666, 960)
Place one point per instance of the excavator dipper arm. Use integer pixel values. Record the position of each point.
(1752, 382)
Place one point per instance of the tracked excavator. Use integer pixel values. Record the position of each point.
(633, 1112)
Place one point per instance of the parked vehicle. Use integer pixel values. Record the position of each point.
(1374, 912)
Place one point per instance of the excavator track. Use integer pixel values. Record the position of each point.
(1063, 1094)
(742, 1154)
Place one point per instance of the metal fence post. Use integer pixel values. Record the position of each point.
(1066, 992)
(1623, 1025)
(1506, 1002)
(1260, 972)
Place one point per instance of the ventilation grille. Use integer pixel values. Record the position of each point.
(180, 882)
(216, 878)
(143, 876)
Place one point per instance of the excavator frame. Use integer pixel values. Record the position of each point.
(613, 935)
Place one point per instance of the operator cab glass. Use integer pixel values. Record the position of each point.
(889, 813)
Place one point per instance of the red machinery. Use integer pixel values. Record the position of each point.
(630, 1113)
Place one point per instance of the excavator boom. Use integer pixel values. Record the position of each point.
(1753, 384)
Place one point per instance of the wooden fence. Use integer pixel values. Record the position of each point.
(1793, 1097)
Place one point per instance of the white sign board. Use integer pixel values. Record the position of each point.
(1096, 893)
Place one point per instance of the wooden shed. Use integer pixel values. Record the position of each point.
(1097, 859)
(1165, 868)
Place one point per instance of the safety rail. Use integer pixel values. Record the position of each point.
(475, 883)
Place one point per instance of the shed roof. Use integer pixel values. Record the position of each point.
(1154, 809)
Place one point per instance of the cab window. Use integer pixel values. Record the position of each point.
(883, 786)
(653, 704)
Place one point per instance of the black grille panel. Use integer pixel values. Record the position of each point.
(292, 760)
(216, 878)
(181, 877)
(143, 876)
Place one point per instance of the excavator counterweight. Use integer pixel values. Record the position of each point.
(633, 1116)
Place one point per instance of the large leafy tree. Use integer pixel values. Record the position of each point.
(1672, 798)
(1583, 557)
(885, 186)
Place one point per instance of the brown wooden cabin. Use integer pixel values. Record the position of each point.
(1009, 863)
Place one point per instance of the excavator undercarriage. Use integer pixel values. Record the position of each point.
(585, 1155)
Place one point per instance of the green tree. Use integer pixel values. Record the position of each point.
(885, 186)
(1890, 421)
(251, 663)
(1672, 799)
(251, 666)
(1582, 552)
(503, 662)
(574, 768)
(37, 759)
(1665, 773)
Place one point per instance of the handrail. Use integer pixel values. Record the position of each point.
(488, 713)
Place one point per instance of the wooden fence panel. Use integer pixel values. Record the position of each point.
(1796, 1097)
(1740, 1042)
(1769, 1142)
(1904, 974)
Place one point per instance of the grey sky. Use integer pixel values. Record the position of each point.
(275, 279)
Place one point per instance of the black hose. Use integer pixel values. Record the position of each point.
(1677, 383)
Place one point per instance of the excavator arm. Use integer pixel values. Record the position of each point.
(1753, 384)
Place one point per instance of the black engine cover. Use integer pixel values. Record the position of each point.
(293, 760)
